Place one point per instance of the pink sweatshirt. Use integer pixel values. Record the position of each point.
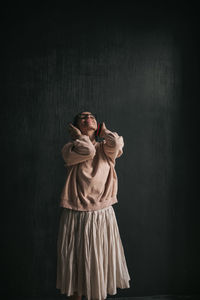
(91, 182)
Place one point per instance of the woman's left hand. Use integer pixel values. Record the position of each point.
(103, 128)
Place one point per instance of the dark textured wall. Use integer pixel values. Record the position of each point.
(137, 69)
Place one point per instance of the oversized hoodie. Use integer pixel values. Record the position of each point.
(91, 182)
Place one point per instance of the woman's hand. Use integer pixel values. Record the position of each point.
(103, 128)
(74, 131)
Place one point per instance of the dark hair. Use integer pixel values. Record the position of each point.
(75, 120)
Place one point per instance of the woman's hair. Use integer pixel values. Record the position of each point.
(75, 120)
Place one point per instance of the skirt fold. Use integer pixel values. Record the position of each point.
(90, 254)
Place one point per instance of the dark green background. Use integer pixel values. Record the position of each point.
(137, 68)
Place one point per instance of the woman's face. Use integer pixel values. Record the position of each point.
(87, 122)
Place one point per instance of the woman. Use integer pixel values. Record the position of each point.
(90, 255)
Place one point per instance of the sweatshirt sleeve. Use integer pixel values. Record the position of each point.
(113, 144)
(78, 151)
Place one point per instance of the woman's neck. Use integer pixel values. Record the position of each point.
(91, 135)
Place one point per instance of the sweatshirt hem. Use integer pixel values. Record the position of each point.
(95, 207)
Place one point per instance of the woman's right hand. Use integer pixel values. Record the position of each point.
(74, 131)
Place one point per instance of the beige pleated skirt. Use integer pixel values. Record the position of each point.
(90, 255)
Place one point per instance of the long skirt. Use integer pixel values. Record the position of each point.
(90, 255)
